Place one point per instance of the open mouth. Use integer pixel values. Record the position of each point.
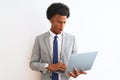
(61, 29)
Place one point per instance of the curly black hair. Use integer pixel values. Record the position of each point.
(57, 8)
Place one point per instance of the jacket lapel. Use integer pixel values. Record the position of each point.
(47, 41)
(63, 47)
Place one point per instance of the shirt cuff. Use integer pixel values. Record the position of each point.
(45, 70)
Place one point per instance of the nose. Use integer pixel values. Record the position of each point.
(62, 25)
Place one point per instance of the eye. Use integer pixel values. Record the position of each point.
(59, 22)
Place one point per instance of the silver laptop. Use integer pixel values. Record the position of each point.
(81, 61)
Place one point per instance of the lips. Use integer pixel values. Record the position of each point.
(61, 29)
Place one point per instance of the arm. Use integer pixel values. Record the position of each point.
(35, 63)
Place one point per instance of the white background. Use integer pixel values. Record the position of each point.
(95, 23)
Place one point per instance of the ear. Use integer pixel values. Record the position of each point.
(51, 20)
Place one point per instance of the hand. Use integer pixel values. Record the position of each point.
(60, 67)
(76, 73)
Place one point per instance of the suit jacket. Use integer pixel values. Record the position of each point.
(41, 53)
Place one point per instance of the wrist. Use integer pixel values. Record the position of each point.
(48, 67)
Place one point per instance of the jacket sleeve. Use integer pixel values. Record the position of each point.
(35, 63)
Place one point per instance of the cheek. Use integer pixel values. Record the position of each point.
(56, 25)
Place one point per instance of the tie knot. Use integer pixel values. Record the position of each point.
(56, 37)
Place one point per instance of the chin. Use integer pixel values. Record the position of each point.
(60, 32)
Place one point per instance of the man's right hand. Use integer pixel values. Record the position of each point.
(60, 67)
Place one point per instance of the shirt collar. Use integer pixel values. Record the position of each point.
(53, 35)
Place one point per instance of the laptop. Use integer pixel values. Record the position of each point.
(81, 61)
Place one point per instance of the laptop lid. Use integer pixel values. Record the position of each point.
(81, 61)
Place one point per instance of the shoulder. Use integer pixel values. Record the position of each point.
(68, 35)
(43, 35)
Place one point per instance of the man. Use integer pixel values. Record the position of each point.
(52, 49)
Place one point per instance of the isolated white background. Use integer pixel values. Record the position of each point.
(95, 23)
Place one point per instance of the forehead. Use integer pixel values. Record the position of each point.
(60, 17)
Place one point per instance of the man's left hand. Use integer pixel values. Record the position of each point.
(76, 73)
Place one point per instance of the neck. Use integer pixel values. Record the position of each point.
(53, 31)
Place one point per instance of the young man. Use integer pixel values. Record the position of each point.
(52, 49)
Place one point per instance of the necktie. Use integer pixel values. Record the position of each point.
(55, 57)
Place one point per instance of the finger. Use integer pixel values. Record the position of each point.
(62, 65)
(72, 74)
(83, 72)
(68, 74)
(76, 72)
(63, 70)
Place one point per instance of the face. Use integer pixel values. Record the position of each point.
(58, 23)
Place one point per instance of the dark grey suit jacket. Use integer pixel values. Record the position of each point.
(41, 53)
